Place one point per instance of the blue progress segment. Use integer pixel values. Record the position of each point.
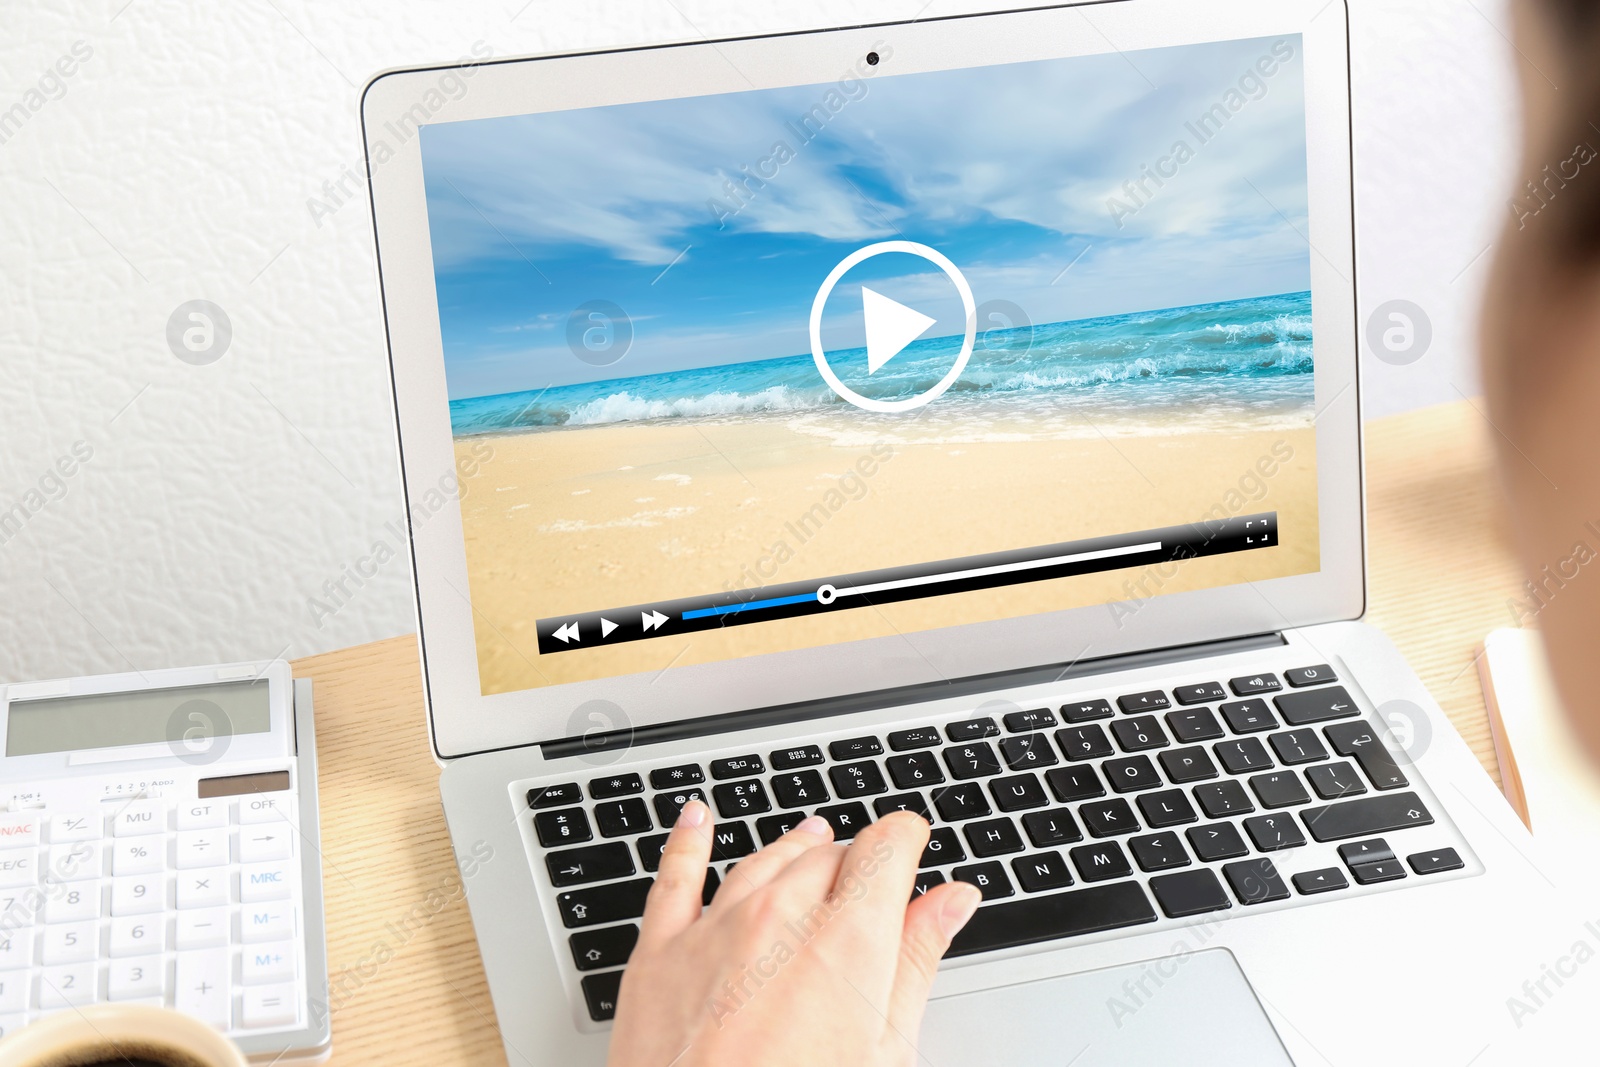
(753, 605)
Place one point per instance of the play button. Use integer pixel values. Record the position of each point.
(890, 326)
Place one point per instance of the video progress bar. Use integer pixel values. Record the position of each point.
(640, 621)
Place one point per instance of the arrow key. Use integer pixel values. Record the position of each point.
(1326, 880)
(597, 863)
(611, 947)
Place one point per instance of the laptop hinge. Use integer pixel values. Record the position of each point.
(756, 718)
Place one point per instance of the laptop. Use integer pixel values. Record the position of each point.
(961, 416)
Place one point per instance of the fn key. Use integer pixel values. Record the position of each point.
(600, 994)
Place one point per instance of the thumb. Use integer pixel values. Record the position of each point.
(931, 921)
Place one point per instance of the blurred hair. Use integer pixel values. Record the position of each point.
(1578, 26)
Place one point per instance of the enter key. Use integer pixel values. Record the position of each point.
(1360, 741)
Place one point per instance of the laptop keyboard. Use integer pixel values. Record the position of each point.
(1072, 820)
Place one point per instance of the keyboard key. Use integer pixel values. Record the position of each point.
(1140, 734)
(957, 802)
(737, 767)
(603, 903)
(1202, 693)
(1359, 740)
(1196, 724)
(915, 770)
(619, 785)
(600, 994)
(1189, 893)
(847, 820)
(1018, 792)
(1279, 789)
(266, 809)
(1316, 705)
(1272, 833)
(268, 965)
(1253, 684)
(597, 863)
(921, 737)
(971, 730)
(77, 862)
(205, 928)
(990, 878)
(971, 761)
(556, 828)
(611, 947)
(943, 847)
(1047, 829)
(912, 802)
(1030, 920)
(136, 979)
(1100, 862)
(1378, 814)
(1217, 841)
(852, 780)
(731, 841)
(1028, 752)
(787, 759)
(1372, 851)
(735, 800)
(555, 796)
(669, 805)
(82, 826)
(266, 922)
(1303, 676)
(802, 789)
(16, 949)
(673, 777)
(855, 748)
(1185, 765)
(1086, 711)
(1443, 859)
(1132, 774)
(1158, 852)
(712, 883)
(993, 837)
(1326, 880)
(1335, 781)
(1083, 742)
(1021, 721)
(1154, 700)
(1248, 716)
(650, 851)
(925, 881)
(75, 903)
(775, 826)
(1382, 871)
(1242, 756)
(1170, 807)
(20, 830)
(1074, 783)
(1041, 872)
(1108, 818)
(619, 818)
(193, 815)
(1294, 747)
(1255, 881)
(1218, 799)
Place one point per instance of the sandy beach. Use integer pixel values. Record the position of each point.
(586, 518)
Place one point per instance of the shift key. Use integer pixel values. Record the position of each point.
(1379, 814)
(604, 903)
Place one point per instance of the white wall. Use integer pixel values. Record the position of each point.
(178, 164)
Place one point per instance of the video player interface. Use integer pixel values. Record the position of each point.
(737, 374)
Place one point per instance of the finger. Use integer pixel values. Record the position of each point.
(931, 921)
(674, 900)
(881, 867)
(756, 871)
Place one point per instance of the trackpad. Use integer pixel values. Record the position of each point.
(1152, 1014)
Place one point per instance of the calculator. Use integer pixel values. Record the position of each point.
(158, 844)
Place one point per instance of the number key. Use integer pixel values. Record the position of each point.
(1083, 742)
(803, 789)
(138, 896)
(618, 818)
(857, 780)
(736, 799)
(70, 943)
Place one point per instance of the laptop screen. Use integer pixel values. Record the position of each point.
(738, 374)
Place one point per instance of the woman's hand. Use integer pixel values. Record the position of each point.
(808, 955)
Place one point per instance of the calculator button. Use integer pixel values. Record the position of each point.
(200, 986)
(203, 928)
(138, 896)
(19, 830)
(202, 848)
(268, 881)
(137, 936)
(75, 863)
(70, 943)
(260, 808)
(16, 949)
(272, 1005)
(137, 856)
(262, 843)
(66, 987)
(19, 867)
(10, 1024)
(205, 890)
(75, 903)
(13, 994)
(268, 922)
(139, 818)
(202, 815)
(266, 964)
(134, 979)
(74, 826)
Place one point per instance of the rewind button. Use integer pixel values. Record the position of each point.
(567, 633)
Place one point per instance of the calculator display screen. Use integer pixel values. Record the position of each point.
(144, 717)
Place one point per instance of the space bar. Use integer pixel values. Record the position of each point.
(1034, 919)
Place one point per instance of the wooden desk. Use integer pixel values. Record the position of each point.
(408, 987)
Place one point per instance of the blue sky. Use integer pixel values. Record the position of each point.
(1009, 171)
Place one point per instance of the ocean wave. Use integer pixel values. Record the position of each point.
(627, 407)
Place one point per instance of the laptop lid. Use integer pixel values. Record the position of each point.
(743, 373)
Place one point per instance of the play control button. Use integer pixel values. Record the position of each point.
(890, 326)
